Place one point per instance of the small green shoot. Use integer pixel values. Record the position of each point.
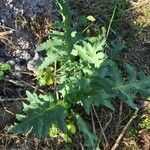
(3, 69)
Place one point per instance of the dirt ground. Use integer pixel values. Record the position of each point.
(23, 25)
(26, 23)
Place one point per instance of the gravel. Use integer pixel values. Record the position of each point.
(21, 54)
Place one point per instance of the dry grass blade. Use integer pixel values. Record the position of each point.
(4, 37)
(5, 33)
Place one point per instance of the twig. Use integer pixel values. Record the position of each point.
(120, 109)
(7, 27)
(108, 122)
(111, 20)
(120, 113)
(23, 72)
(2, 34)
(82, 148)
(124, 130)
(19, 84)
(93, 123)
(34, 87)
(11, 100)
(9, 112)
(102, 130)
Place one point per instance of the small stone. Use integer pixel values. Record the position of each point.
(36, 56)
(11, 6)
(7, 77)
(26, 55)
(17, 60)
(31, 66)
(19, 68)
(18, 74)
(38, 59)
(11, 62)
(9, 1)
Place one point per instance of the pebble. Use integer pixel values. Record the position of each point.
(31, 65)
(34, 63)
(26, 55)
(18, 67)
(11, 62)
(18, 74)
(36, 56)
(17, 60)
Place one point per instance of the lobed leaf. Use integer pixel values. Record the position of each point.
(90, 138)
(39, 116)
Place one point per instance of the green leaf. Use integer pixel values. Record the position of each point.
(1, 75)
(108, 83)
(44, 46)
(132, 74)
(57, 25)
(126, 89)
(98, 98)
(91, 18)
(116, 48)
(99, 42)
(67, 22)
(83, 22)
(89, 53)
(5, 67)
(39, 116)
(54, 43)
(103, 99)
(90, 138)
(46, 77)
(48, 61)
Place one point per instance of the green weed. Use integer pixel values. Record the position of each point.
(3, 69)
(83, 75)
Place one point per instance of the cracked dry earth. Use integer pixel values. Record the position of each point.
(23, 25)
